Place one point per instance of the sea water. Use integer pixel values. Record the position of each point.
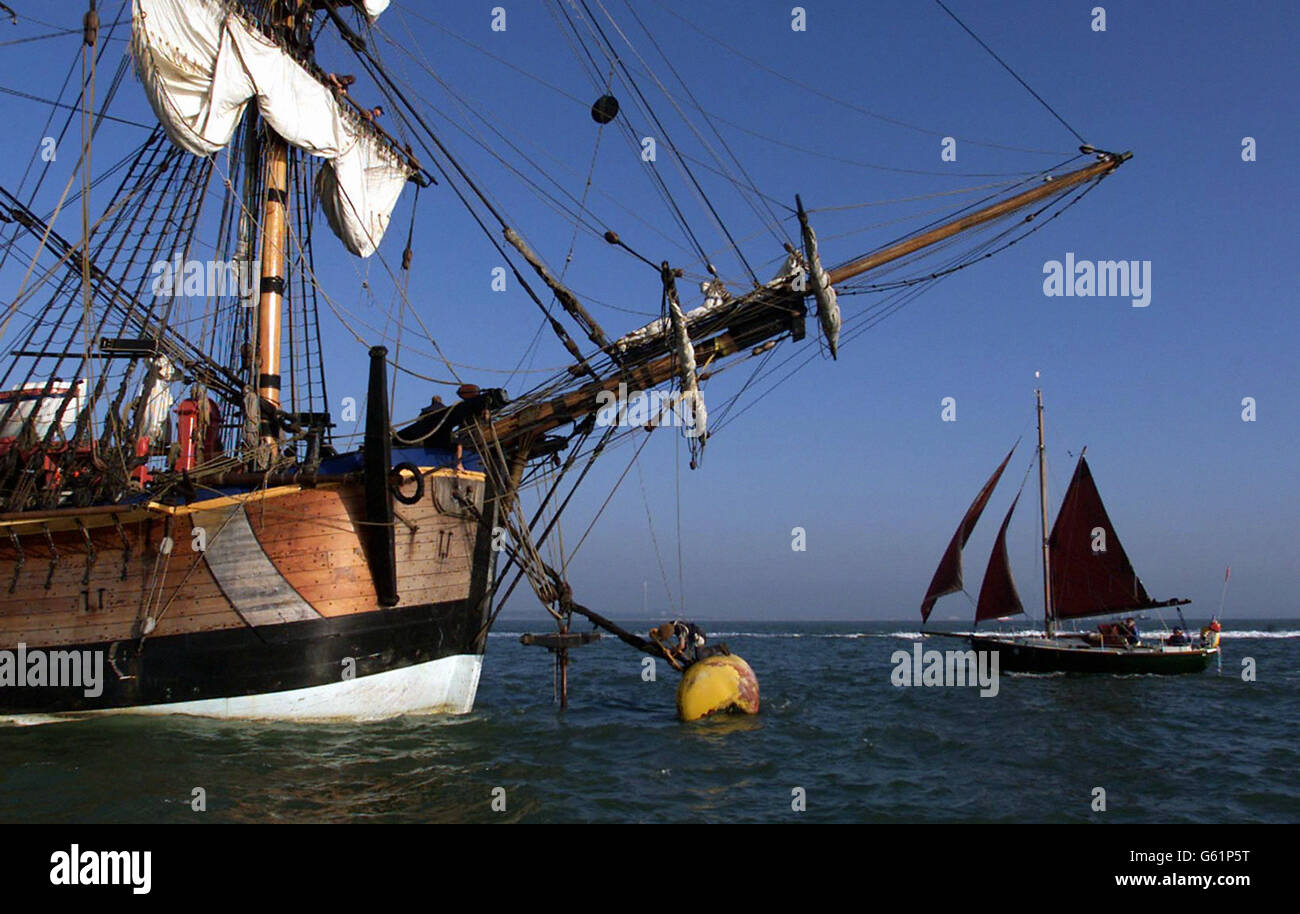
(835, 741)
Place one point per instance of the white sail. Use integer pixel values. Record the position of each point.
(657, 327)
(201, 63)
(828, 309)
(716, 300)
(691, 398)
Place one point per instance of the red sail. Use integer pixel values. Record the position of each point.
(998, 596)
(1091, 575)
(947, 577)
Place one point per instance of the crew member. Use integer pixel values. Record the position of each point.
(1131, 632)
(1210, 634)
(689, 646)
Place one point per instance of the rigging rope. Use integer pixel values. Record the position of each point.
(1007, 67)
(630, 134)
(755, 62)
(649, 516)
(90, 27)
(749, 182)
(904, 293)
(662, 129)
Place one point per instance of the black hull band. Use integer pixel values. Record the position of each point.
(1028, 658)
(253, 661)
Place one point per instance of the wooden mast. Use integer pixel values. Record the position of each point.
(270, 302)
(925, 239)
(271, 299)
(1042, 502)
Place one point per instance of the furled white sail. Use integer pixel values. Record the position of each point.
(201, 63)
(828, 308)
(656, 328)
(691, 398)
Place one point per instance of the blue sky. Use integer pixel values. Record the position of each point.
(854, 451)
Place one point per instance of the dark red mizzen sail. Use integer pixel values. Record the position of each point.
(1091, 575)
(998, 596)
(947, 577)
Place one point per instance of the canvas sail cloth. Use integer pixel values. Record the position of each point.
(947, 577)
(201, 63)
(998, 594)
(1091, 574)
(828, 309)
(691, 398)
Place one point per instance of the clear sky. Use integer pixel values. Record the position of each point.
(855, 451)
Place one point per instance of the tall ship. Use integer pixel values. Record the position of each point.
(176, 497)
(1086, 573)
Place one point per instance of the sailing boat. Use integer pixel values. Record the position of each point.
(1086, 572)
(174, 500)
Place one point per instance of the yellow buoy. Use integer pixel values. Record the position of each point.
(717, 684)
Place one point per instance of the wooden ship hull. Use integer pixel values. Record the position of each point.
(1056, 655)
(257, 602)
(171, 499)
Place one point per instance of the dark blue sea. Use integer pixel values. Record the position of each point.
(833, 730)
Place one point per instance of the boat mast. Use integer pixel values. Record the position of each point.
(1042, 502)
(270, 302)
(271, 299)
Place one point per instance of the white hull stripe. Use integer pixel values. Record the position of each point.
(253, 585)
(444, 686)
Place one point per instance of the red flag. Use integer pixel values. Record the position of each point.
(1227, 573)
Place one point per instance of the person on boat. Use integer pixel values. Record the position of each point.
(1130, 631)
(1210, 634)
(1178, 636)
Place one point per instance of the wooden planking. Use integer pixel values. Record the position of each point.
(319, 553)
(432, 588)
(343, 546)
(307, 537)
(58, 615)
(422, 554)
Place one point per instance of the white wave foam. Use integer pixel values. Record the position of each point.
(916, 635)
(1228, 633)
(849, 635)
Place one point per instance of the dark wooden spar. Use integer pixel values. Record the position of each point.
(1050, 188)
(771, 311)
